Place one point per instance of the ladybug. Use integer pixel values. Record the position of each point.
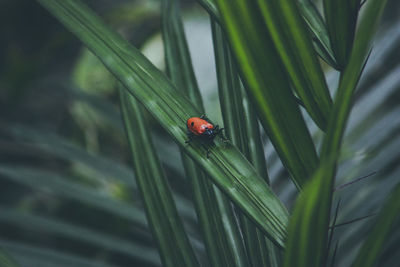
(202, 129)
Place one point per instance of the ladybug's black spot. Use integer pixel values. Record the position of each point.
(192, 123)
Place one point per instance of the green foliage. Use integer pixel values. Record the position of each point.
(220, 230)
(228, 168)
(68, 137)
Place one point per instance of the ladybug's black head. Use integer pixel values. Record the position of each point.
(209, 134)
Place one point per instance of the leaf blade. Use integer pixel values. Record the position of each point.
(269, 89)
(349, 79)
(318, 30)
(341, 19)
(308, 228)
(240, 124)
(156, 194)
(293, 43)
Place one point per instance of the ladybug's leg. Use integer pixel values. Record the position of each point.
(217, 129)
(205, 145)
(219, 132)
(190, 136)
(207, 148)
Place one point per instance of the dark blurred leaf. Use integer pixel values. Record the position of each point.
(341, 19)
(62, 186)
(33, 256)
(6, 260)
(91, 237)
(60, 147)
(378, 236)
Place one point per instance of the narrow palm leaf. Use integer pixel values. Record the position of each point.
(293, 43)
(308, 227)
(211, 8)
(317, 27)
(160, 208)
(350, 77)
(237, 128)
(230, 171)
(269, 89)
(257, 158)
(312, 18)
(341, 19)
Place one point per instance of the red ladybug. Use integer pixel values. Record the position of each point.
(203, 130)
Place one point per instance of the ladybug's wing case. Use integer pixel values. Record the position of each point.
(191, 125)
(198, 126)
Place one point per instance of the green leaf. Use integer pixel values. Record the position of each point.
(32, 255)
(230, 171)
(257, 158)
(240, 127)
(160, 208)
(293, 43)
(59, 147)
(349, 79)
(6, 260)
(312, 18)
(341, 19)
(62, 186)
(317, 27)
(221, 233)
(377, 237)
(49, 226)
(178, 61)
(211, 8)
(269, 89)
(98, 166)
(308, 227)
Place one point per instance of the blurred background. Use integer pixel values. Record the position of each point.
(68, 195)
